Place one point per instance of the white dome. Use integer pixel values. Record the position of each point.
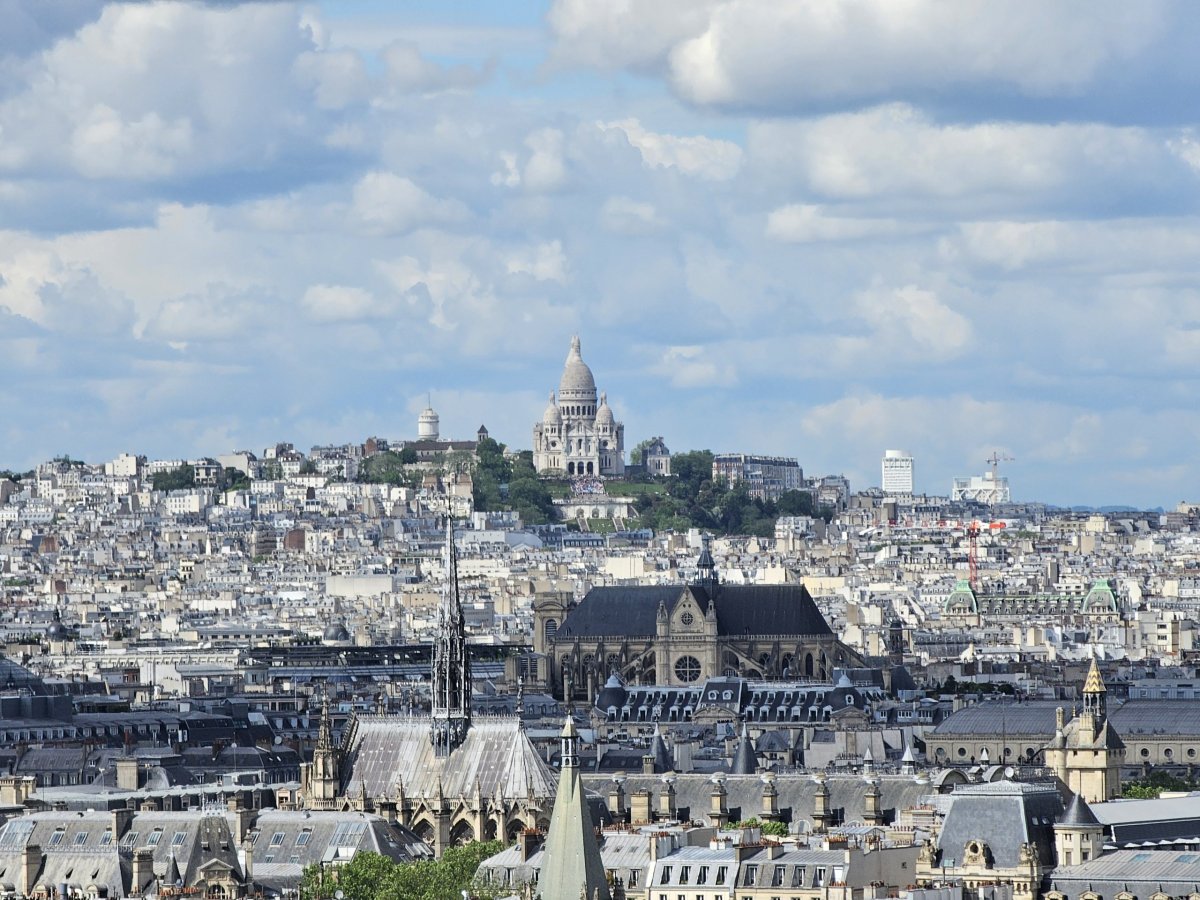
(577, 383)
(604, 414)
(553, 415)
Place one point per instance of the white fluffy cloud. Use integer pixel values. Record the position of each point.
(697, 155)
(387, 203)
(804, 53)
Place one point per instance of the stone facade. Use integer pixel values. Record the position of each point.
(578, 435)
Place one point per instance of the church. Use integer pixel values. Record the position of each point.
(578, 434)
(685, 634)
(452, 777)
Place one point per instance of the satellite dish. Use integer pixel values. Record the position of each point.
(278, 740)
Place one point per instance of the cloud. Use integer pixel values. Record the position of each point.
(338, 303)
(545, 262)
(624, 215)
(694, 367)
(803, 223)
(786, 55)
(387, 203)
(408, 72)
(899, 152)
(914, 322)
(704, 157)
(545, 169)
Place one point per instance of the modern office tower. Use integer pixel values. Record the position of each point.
(897, 472)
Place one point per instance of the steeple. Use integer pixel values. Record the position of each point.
(1095, 694)
(324, 776)
(451, 676)
(572, 867)
(706, 569)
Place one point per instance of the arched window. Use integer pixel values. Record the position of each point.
(550, 629)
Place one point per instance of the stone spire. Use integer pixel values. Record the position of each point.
(571, 867)
(451, 676)
(745, 760)
(1094, 693)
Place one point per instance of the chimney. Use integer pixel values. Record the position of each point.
(31, 866)
(648, 764)
(616, 800)
(822, 816)
(770, 799)
(666, 800)
(528, 842)
(872, 814)
(248, 862)
(640, 810)
(242, 818)
(718, 808)
(127, 773)
(143, 870)
(121, 820)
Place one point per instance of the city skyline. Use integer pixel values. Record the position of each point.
(230, 224)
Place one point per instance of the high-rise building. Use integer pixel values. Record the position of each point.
(897, 472)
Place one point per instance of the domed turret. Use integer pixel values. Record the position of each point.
(604, 414)
(336, 633)
(577, 384)
(552, 415)
(612, 694)
(427, 425)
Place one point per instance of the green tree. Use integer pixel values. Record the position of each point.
(370, 876)
(637, 454)
(408, 456)
(175, 479)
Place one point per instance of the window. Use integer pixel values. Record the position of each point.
(277, 839)
(687, 669)
(687, 619)
(155, 837)
(685, 874)
(819, 881)
(722, 871)
(777, 876)
(130, 839)
(666, 875)
(302, 838)
(702, 875)
(80, 838)
(178, 838)
(56, 838)
(106, 837)
(798, 876)
(751, 875)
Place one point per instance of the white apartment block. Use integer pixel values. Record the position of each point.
(897, 476)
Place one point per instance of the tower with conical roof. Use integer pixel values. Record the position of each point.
(1078, 835)
(578, 433)
(1086, 753)
(451, 675)
(571, 867)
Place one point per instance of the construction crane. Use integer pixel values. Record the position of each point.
(995, 459)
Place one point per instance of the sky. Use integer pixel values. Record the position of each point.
(802, 227)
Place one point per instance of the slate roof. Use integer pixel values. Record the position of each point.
(281, 849)
(1004, 815)
(1132, 718)
(1078, 813)
(1142, 872)
(1135, 821)
(632, 610)
(387, 751)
